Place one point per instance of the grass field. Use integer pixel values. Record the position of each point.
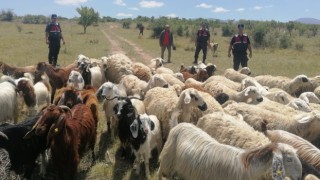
(28, 47)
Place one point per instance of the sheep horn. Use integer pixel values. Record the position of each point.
(64, 107)
(112, 98)
(3, 135)
(132, 97)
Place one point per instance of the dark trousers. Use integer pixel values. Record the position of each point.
(204, 51)
(54, 48)
(141, 33)
(240, 59)
(163, 48)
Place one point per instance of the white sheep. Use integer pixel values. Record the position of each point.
(223, 80)
(190, 153)
(75, 80)
(237, 76)
(8, 102)
(165, 104)
(193, 81)
(116, 67)
(292, 86)
(309, 97)
(161, 70)
(227, 129)
(172, 79)
(132, 82)
(42, 90)
(155, 63)
(108, 91)
(146, 133)
(305, 125)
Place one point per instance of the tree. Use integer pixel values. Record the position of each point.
(314, 30)
(87, 17)
(7, 15)
(290, 27)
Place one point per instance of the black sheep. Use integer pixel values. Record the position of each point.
(22, 152)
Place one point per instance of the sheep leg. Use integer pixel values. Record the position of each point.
(44, 160)
(146, 165)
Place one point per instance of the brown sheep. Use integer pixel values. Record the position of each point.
(69, 134)
(58, 76)
(16, 72)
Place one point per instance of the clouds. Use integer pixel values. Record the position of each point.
(220, 10)
(151, 4)
(204, 5)
(171, 15)
(240, 9)
(119, 2)
(70, 2)
(124, 15)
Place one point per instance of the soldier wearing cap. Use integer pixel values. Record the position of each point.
(166, 42)
(239, 45)
(53, 39)
(202, 41)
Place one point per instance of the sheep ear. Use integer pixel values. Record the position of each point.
(151, 82)
(246, 93)
(278, 171)
(60, 102)
(99, 94)
(56, 127)
(29, 134)
(187, 97)
(304, 119)
(79, 99)
(134, 128)
(151, 124)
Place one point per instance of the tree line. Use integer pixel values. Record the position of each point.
(264, 33)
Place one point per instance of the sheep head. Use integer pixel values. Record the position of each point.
(157, 80)
(193, 98)
(75, 80)
(245, 70)
(41, 67)
(70, 98)
(142, 124)
(291, 165)
(48, 118)
(253, 93)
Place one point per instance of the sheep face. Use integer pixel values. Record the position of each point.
(299, 104)
(120, 103)
(105, 91)
(126, 107)
(70, 98)
(75, 80)
(41, 67)
(253, 93)
(245, 70)
(158, 81)
(192, 97)
(301, 78)
(291, 162)
(26, 89)
(48, 116)
(142, 125)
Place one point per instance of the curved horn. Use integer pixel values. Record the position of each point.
(4, 136)
(112, 98)
(64, 107)
(133, 97)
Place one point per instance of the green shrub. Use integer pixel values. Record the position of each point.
(284, 41)
(299, 46)
(227, 30)
(180, 31)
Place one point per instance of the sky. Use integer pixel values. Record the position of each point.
(279, 10)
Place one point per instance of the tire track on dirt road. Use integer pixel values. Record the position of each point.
(114, 39)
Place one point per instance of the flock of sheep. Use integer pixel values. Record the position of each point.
(204, 126)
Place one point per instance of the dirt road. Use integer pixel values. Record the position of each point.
(114, 39)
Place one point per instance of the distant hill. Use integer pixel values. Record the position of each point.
(308, 21)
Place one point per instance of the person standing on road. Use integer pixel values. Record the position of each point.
(53, 39)
(202, 42)
(239, 45)
(141, 28)
(166, 42)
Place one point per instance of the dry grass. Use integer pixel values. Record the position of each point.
(28, 47)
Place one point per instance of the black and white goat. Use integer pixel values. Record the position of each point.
(146, 133)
